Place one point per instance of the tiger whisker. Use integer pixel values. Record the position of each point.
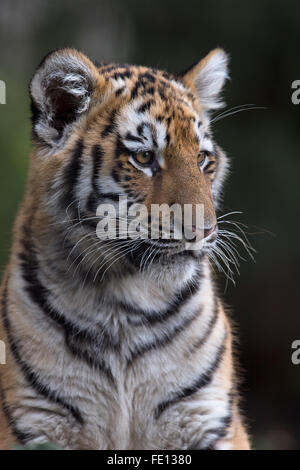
(236, 111)
(239, 106)
(113, 262)
(102, 254)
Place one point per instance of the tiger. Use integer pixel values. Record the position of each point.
(119, 343)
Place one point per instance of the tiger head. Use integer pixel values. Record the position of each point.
(101, 132)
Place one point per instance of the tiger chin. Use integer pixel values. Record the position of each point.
(109, 346)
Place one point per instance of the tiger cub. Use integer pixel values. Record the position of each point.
(118, 343)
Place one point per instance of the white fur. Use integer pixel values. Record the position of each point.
(121, 417)
(145, 170)
(209, 82)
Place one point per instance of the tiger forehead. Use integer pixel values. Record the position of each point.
(152, 107)
(140, 81)
(144, 75)
(141, 129)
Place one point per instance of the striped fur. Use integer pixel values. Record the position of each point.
(112, 345)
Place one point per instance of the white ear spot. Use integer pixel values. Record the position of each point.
(210, 79)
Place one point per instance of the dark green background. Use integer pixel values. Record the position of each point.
(262, 38)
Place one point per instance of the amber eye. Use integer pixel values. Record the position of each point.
(202, 158)
(144, 158)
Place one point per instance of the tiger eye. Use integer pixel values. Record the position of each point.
(144, 158)
(202, 157)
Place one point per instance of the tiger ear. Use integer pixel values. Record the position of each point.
(207, 77)
(61, 91)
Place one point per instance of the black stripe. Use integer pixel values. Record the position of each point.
(145, 106)
(167, 76)
(115, 175)
(121, 149)
(97, 155)
(126, 74)
(155, 145)
(139, 84)
(21, 436)
(77, 339)
(154, 317)
(216, 434)
(29, 374)
(107, 68)
(204, 380)
(199, 343)
(120, 91)
(113, 196)
(168, 138)
(71, 175)
(109, 128)
(150, 90)
(133, 138)
(147, 76)
(166, 339)
(221, 430)
(162, 94)
(141, 127)
(212, 162)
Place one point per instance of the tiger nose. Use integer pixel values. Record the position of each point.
(206, 231)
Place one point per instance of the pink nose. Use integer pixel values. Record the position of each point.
(206, 231)
(209, 231)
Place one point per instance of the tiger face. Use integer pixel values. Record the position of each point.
(110, 131)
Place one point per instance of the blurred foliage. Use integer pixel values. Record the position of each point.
(262, 37)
